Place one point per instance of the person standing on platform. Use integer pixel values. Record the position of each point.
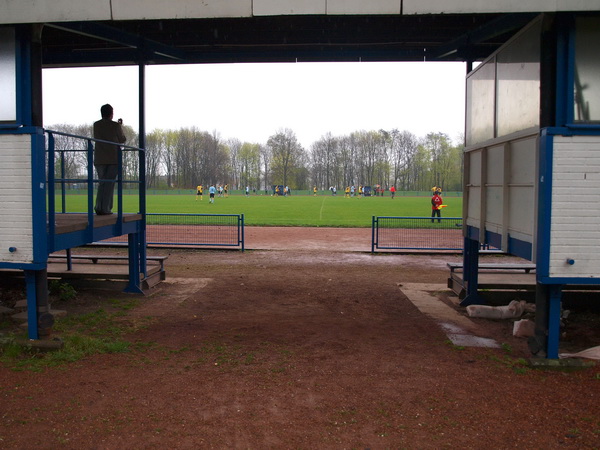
(106, 157)
(436, 203)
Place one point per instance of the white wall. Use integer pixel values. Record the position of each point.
(501, 187)
(575, 223)
(16, 228)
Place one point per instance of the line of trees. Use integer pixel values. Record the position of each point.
(187, 157)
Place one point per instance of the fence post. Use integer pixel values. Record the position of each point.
(90, 190)
(373, 221)
(243, 237)
(51, 189)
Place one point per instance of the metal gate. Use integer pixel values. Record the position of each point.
(225, 230)
(416, 233)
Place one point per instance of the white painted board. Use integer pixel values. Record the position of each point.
(16, 226)
(575, 220)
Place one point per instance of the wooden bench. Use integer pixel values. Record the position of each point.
(96, 258)
(491, 266)
(494, 276)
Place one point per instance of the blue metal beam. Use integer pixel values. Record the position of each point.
(496, 27)
(147, 48)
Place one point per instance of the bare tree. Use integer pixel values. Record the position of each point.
(266, 156)
(286, 153)
(234, 146)
(324, 161)
(155, 144)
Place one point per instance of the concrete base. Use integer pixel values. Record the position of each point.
(461, 330)
(567, 363)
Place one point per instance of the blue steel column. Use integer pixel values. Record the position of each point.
(90, 191)
(134, 285)
(32, 313)
(554, 300)
(142, 169)
(471, 273)
(373, 221)
(243, 232)
(30, 113)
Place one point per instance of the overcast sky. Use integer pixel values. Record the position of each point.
(253, 101)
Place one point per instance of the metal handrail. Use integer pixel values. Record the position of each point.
(90, 180)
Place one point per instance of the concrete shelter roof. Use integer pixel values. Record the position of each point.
(121, 32)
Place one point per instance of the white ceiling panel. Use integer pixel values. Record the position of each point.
(35, 11)
(363, 7)
(504, 6)
(289, 7)
(179, 9)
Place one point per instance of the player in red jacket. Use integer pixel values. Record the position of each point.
(436, 203)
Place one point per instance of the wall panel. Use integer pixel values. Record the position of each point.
(575, 226)
(16, 226)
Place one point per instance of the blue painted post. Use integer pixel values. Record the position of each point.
(32, 317)
(142, 194)
(142, 164)
(554, 300)
(64, 204)
(134, 264)
(120, 193)
(90, 187)
(51, 185)
(471, 273)
(63, 185)
(373, 221)
(243, 233)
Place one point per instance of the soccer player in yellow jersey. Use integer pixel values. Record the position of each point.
(347, 192)
(315, 191)
(199, 192)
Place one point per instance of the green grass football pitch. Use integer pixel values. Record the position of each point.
(294, 210)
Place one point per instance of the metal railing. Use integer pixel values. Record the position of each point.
(420, 233)
(416, 233)
(223, 230)
(58, 180)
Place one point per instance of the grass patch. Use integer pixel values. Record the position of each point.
(519, 366)
(83, 335)
(294, 210)
(453, 346)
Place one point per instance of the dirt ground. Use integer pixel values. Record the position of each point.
(299, 344)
